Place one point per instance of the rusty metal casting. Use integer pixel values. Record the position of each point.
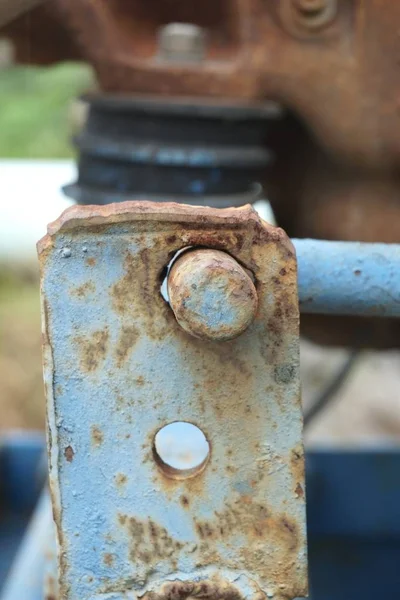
(332, 64)
(302, 17)
(340, 79)
(118, 367)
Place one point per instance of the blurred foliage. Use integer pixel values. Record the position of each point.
(36, 109)
(21, 386)
(38, 116)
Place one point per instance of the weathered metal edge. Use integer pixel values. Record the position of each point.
(93, 215)
(51, 429)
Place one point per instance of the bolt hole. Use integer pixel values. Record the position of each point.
(166, 270)
(181, 450)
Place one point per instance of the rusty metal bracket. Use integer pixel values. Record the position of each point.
(119, 366)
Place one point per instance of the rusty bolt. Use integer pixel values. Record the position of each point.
(211, 295)
(182, 42)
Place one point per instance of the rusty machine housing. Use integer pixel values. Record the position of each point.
(331, 64)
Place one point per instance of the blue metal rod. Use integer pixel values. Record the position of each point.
(348, 278)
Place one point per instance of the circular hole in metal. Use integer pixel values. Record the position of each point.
(164, 276)
(181, 449)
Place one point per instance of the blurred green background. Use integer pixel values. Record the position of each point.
(39, 114)
(38, 110)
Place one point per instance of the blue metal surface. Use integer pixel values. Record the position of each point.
(348, 278)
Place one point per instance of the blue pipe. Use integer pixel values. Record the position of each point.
(348, 278)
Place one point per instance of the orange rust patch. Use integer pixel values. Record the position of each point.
(215, 588)
(97, 436)
(137, 293)
(129, 335)
(91, 261)
(184, 501)
(299, 491)
(253, 520)
(122, 519)
(242, 515)
(108, 559)
(121, 479)
(69, 454)
(83, 290)
(140, 380)
(297, 463)
(149, 542)
(92, 349)
(231, 469)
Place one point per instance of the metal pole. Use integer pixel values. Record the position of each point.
(348, 278)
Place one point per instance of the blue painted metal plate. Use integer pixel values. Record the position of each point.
(118, 367)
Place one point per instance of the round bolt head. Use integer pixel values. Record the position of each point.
(211, 295)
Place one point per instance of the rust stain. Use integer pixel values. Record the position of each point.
(122, 519)
(69, 454)
(63, 563)
(91, 261)
(83, 290)
(184, 501)
(108, 559)
(192, 485)
(121, 479)
(137, 292)
(241, 515)
(92, 349)
(259, 525)
(128, 337)
(189, 282)
(149, 542)
(214, 588)
(299, 491)
(97, 436)
(297, 463)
